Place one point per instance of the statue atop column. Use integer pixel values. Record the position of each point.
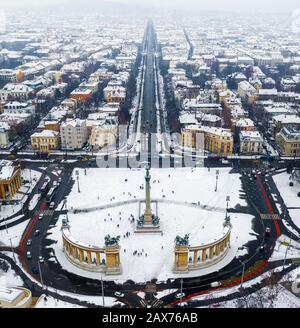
(148, 222)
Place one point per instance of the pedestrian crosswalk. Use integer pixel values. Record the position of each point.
(48, 212)
(160, 304)
(270, 216)
(296, 261)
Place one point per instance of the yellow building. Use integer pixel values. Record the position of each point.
(10, 179)
(216, 140)
(288, 140)
(45, 141)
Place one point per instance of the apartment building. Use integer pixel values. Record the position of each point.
(251, 142)
(73, 134)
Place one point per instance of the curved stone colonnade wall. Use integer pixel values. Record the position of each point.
(189, 258)
(91, 258)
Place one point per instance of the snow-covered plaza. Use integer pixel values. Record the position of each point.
(187, 203)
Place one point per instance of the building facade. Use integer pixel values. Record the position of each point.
(10, 179)
(288, 140)
(251, 142)
(73, 134)
(216, 140)
(45, 141)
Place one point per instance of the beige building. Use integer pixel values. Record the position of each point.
(247, 91)
(288, 140)
(251, 142)
(45, 141)
(15, 297)
(73, 134)
(103, 135)
(4, 138)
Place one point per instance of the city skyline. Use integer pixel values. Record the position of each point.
(231, 5)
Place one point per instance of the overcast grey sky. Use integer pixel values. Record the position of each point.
(269, 5)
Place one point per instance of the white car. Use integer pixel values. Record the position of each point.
(29, 242)
(118, 294)
(179, 295)
(216, 284)
(52, 205)
(41, 259)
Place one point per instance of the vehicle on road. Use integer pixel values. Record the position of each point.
(268, 232)
(119, 294)
(41, 259)
(45, 187)
(179, 295)
(29, 242)
(41, 216)
(34, 270)
(50, 195)
(36, 233)
(52, 205)
(28, 255)
(216, 284)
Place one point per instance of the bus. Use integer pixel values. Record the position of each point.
(45, 187)
(50, 195)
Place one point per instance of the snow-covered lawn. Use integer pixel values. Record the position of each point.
(15, 233)
(50, 302)
(10, 278)
(284, 299)
(289, 195)
(34, 201)
(100, 186)
(175, 190)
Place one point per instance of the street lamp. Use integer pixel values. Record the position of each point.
(181, 285)
(217, 178)
(285, 256)
(6, 224)
(242, 281)
(40, 273)
(102, 291)
(12, 249)
(227, 201)
(77, 177)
